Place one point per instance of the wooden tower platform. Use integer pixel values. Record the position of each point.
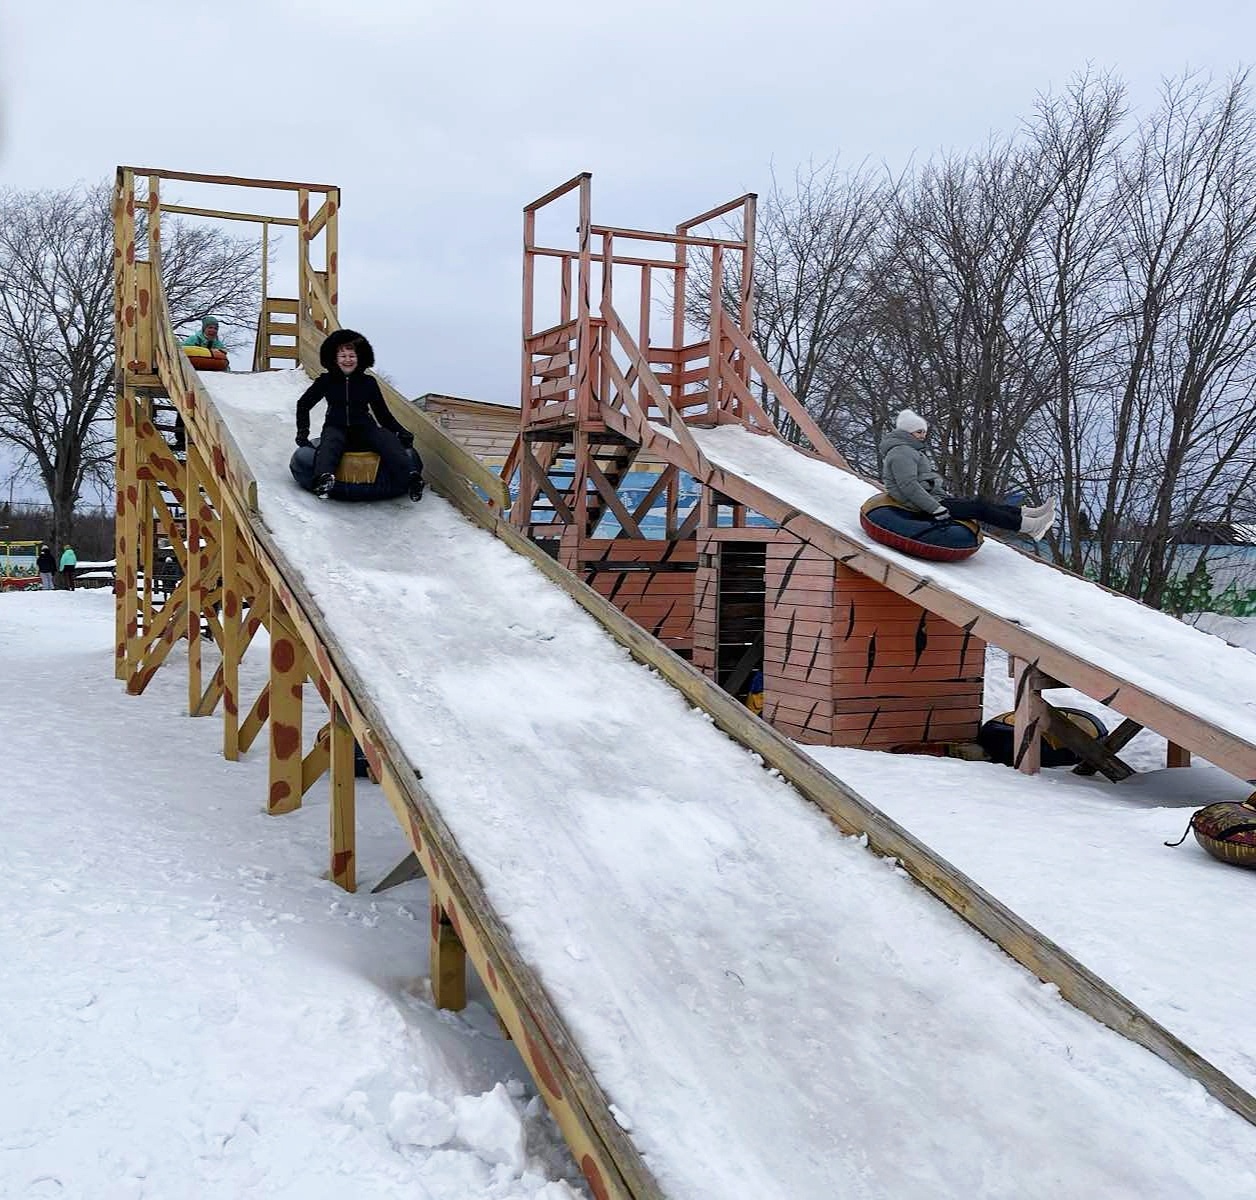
(844, 661)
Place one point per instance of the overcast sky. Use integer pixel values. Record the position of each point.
(439, 121)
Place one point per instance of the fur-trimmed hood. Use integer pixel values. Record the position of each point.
(343, 337)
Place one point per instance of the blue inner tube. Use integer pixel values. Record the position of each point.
(917, 527)
(302, 467)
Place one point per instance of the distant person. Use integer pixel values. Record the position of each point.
(208, 336)
(357, 418)
(909, 476)
(46, 564)
(69, 561)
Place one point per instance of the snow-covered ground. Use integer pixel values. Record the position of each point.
(187, 1008)
(1084, 861)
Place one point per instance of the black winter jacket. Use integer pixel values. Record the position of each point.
(46, 563)
(351, 399)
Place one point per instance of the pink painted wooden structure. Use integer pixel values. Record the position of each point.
(612, 366)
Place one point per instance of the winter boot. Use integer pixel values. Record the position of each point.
(1035, 522)
(323, 485)
(416, 485)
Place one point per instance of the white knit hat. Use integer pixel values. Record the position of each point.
(911, 422)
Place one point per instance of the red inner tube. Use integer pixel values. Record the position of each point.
(910, 545)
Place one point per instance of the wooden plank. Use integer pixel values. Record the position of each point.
(1030, 720)
(1088, 749)
(287, 681)
(909, 703)
(448, 969)
(343, 867)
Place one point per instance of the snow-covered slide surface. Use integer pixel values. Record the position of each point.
(773, 1011)
(1163, 657)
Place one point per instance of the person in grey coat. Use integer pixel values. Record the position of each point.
(909, 476)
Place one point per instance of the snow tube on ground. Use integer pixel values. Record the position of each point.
(997, 738)
(892, 524)
(1228, 831)
(355, 477)
(205, 359)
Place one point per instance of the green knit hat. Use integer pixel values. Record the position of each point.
(206, 322)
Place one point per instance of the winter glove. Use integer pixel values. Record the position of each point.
(303, 437)
(941, 514)
(406, 438)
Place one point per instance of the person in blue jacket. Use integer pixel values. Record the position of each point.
(357, 417)
(69, 563)
(208, 336)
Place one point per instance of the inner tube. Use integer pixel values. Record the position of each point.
(1228, 831)
(358, 486)
(896, 525)
(205, 359)
(997, 738)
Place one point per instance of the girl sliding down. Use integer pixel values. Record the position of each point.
(357, 418)
(909, 477)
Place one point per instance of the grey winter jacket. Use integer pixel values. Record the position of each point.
(908, 473)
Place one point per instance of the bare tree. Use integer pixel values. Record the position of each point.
(813, 245)
(1180, 430)
(952, 284)
(1068, 274)
(1073, 308)
(56, 326)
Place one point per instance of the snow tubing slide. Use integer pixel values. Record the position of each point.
(205, 359)
(355, 477)
(997, 737)
(1228, 831)
(892, 524)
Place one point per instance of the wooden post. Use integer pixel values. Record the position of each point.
(123, 303)
(232, 625)
(448, 962)
(1176, 756)
(1030, 719)
(305, 303)
(584, 329)
(343, 827)
(747, 265)
(332, 246)
(714, 332)
(287, 683)
(195, 583)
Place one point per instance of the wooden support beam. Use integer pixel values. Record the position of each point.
(541, 480)
(449, 963)
(607, 492)
(287, 684)
(257, 716)
(316, 763)
(196, 589)
(343, 815)
(1121, 736)
(208, 701)
(1088, 749)
(407, 869)
(1030, 720)
(1176, 756)
(232, 641)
